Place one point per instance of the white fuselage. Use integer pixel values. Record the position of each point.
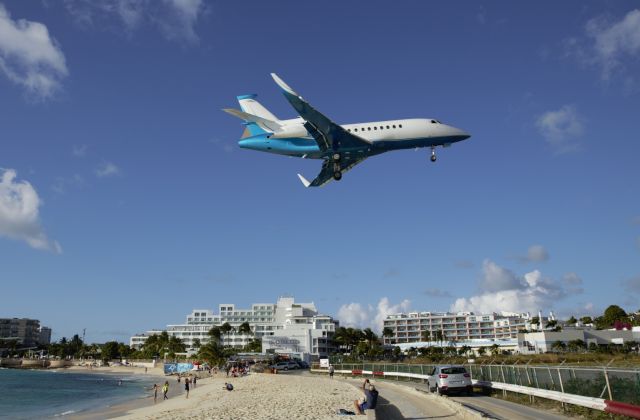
(407, 129)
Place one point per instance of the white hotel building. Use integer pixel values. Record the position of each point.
(283, 327)
(455, 327)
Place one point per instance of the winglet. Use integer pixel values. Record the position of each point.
(283, 85)
(304, 181)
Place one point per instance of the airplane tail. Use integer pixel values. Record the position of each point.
(258, 119)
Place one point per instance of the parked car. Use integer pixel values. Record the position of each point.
(302, 364)
(449, 378)
(284, 366)
(293, 364)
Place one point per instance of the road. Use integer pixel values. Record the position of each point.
(500, 409)
(396, 403)
(399, 400)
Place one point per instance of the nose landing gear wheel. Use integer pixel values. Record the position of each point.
(337, 175)
(433, 154)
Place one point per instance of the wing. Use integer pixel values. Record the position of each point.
(329, 135)
(326, 174)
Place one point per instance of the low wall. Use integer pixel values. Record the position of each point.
(580, 400)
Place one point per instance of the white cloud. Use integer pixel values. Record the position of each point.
(561, 128)
(497, 278)
(612, 46)
(19, 213)
(107, 169)
(535, 253)
(30, 57)
(572, 279)
(613, 42)
(176, 19)
(502, 290)
(80, 150)
(61, 184)
(361, 316)
(355, 315)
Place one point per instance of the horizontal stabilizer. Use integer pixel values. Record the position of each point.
(270, 125)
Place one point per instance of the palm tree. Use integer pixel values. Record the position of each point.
(196, 343)
(215, 334)
(226, 328)
(369, 336)
(426, 335)
(482, 351)
(387, 333)
(245, 329)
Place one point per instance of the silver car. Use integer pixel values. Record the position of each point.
(446, 378)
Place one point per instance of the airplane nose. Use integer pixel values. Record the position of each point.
(459, 134)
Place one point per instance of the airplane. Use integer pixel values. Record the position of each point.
(312, 135)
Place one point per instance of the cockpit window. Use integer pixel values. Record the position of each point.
(434, 122)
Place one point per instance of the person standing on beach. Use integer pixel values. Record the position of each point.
(331, 370)
(165, 389)
(186, 386)
(155, 393)
(195, 379)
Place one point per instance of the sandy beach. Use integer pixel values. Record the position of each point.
(257, 396)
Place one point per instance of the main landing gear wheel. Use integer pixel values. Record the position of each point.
(336, 157)
(433, 154)
(337, 175)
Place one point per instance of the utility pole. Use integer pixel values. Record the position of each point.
(84, 330)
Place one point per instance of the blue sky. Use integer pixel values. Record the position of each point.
(125, 202)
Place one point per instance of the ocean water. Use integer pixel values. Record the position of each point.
(37, 394)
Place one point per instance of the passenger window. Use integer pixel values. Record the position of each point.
(381, 127)
(375, 128)
(394, 126)
(348, 129)
(355, 129)
(387, 127)
(399, 125)
(369, 128)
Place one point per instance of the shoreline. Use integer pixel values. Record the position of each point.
(130, 403)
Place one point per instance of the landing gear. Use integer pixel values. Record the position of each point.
(433, 154)
(337, 173)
